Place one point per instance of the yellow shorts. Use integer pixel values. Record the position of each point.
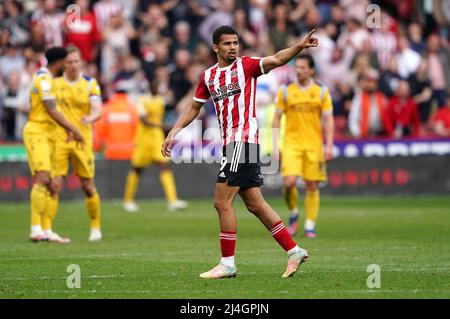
(40, 151)
(81, 156)
(146, 154)
(309, 165)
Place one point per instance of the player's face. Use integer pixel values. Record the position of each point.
(60, 67)
(228, 47)
(304, 72)
(73, 63)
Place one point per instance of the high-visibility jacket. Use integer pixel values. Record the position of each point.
(115, 131)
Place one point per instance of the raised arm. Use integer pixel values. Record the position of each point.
(189, 114)
(284, 56)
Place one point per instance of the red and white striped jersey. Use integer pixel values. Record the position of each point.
(104, 10)
(52, 24)
(233, 91)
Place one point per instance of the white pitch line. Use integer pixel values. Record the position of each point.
(174, 292)
(58, 278)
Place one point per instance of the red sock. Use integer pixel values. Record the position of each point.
(227, 243)
(282, 236)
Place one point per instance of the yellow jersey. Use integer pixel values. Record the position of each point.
(74, 101)
(41, 89)
(152, 109)
(303, 108)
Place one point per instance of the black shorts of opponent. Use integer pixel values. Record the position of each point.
(240, 165)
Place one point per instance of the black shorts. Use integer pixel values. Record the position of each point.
(240, 165)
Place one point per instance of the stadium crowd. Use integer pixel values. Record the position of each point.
(388, 74)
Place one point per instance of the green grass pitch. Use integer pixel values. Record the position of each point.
(159, 254)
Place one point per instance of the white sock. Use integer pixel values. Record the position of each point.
(227, 261)
(293, 250)
(36, 228)
(294, 212)
(309, 224)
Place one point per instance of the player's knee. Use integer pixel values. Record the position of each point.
(221, 205)
(311, 186)
(289, 183)
(138, 170)
(255, 208)
(88, 188)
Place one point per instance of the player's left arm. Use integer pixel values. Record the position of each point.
(284, 56)
(328, 125)
(95, 102)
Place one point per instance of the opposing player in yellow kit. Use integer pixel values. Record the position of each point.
(38, 137)
(149, 138)
(305, 104)
(79, 98)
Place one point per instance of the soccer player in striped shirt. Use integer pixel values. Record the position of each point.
(231, 83)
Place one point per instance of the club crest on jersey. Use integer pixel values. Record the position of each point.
(234, 73)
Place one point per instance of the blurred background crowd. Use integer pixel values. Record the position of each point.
(388, 72)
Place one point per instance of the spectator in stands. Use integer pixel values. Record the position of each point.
(15, 101)
(154, 26)
(404, 113)
(354, 36)
(162, 77)
(83, 33)
(421, 90)
(178, 80)
(368, 115)
(129, 77)
(335, 73)
(222, 16)
(327, 45)
(248, 38)
(11, 60)
(338, 19)
(408, 60)
(438, 58)
(390, 78)
(203, 54)
(183, 38)
(305, 16)
(384, 42)
(116, 43)
(16, 22)
(440, 122)
(50, 19)
(355, 9)
(104, 10)
(416, 37)
(280, 29)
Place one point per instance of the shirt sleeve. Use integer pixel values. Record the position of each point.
(253, 66)
(202, 93)
(280, 99)
(327, 104)
(140, 107)
(95, 92)
(44, 86)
